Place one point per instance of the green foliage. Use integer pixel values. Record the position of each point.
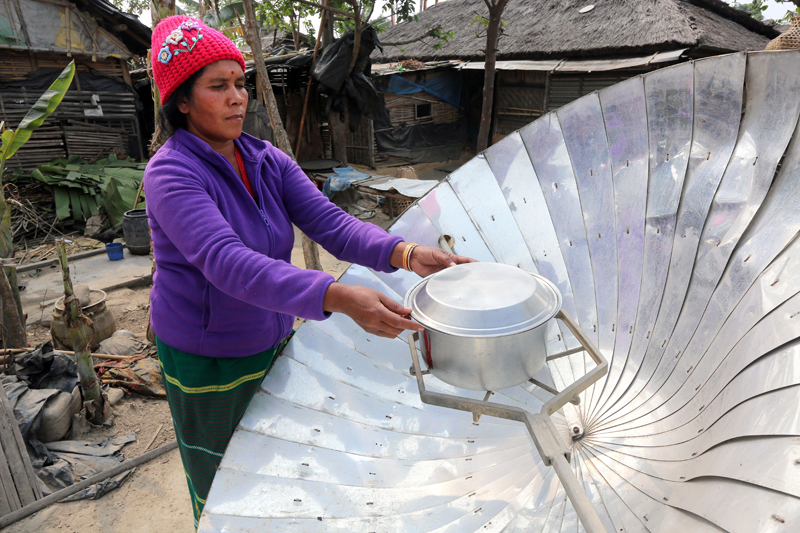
(483, 23)
(442, 36)
(755, 8)
(81, 189)
(189, 7)
(404, 10)
(43, 108)
(227, 14)
(787, 18)
(480, 20)
(135, 7)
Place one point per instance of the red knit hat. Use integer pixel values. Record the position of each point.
(181, 46)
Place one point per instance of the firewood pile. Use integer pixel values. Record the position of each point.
(33, 215)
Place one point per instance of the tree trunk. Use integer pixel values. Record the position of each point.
(160, 9)
(294, 22)
(12, 320)
(263, 86)
(339, 121)
(492, 36)
(93, 400)
(326, 33)
(267, 98)
(16, 337)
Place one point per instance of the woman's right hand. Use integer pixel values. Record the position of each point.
(374, 312)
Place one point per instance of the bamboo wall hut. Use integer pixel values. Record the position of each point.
(99, 113)
(424, 118)
(552, 52)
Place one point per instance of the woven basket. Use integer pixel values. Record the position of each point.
(788, 40)
(399, 206)
(407, 172)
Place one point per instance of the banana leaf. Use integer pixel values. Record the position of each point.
(43, 108)
(117, 200)
(61, 196)
(81, 190)
(226, 14)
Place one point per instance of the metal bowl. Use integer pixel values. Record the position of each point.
(485, 324)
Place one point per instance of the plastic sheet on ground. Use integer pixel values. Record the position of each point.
(37, 376)
(45, 368)
(404, 186)
(341, 180)
(78, 460)
(122, 342)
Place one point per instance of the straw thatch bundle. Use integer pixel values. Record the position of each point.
(539, 29)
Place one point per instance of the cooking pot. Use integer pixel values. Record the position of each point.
(485, 324)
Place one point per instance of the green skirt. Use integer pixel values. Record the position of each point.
(207, 397)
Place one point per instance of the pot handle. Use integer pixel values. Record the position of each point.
(446, 243)
(558, 401)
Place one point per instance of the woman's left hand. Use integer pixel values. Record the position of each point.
(427, 260)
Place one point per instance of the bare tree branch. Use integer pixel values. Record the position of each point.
(326, 8)
(356, 35)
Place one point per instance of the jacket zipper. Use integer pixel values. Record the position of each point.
(260, 202)
(271, 234)
(269, 230)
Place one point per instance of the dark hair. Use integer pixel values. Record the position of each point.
(170, 117)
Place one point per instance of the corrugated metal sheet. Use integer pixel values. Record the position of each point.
(583, 65)
(565, 89)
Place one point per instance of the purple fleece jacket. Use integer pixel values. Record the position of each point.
(224, 285)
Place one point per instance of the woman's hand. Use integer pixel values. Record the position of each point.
(427, 260)
(374, 312)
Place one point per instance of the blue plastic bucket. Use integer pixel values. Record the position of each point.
(114, 251)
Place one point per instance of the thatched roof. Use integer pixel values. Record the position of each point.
(539, 29)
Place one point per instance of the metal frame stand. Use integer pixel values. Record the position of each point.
(543, 432)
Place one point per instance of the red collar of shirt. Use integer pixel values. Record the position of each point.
(242, 172)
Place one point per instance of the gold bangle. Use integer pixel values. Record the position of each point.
(407, 255)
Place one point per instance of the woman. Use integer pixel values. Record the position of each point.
(221, 206)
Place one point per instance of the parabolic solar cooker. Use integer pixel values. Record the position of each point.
(486, 328)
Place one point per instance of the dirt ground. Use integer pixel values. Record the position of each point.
(154, 498)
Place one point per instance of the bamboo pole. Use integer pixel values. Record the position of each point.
(76, 322)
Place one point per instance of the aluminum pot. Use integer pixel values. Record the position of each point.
(485, 324)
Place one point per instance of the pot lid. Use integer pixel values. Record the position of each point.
(483, 300)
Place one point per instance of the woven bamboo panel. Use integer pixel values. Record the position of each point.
(402, 109)
(788, 40)
(69, 130)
